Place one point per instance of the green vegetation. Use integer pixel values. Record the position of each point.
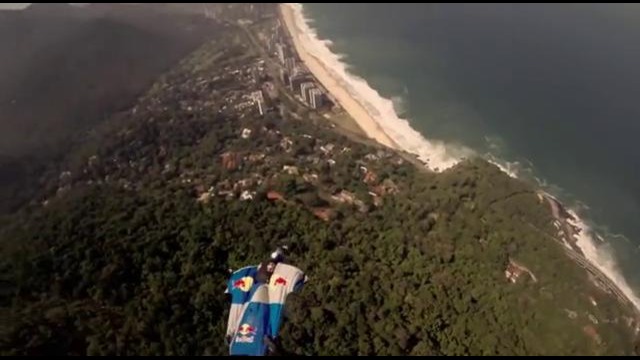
(127, 247)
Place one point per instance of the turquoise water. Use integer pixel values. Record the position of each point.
(552, 89)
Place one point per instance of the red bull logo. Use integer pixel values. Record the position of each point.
(278, 280)
(246, 333)
(244, 284)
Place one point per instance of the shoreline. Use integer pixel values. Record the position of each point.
(568, 238)
(332, 85)
(578, 234)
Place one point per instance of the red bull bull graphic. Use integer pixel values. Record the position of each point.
(278, 281)
(244, 283)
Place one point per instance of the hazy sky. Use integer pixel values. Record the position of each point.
(13, 6)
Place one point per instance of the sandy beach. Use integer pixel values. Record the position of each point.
(333, 86)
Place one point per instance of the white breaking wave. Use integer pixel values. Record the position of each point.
(601, 257)
(398, 104)
(436, 154)
(509, 168)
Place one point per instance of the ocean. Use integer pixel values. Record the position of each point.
(550, 93)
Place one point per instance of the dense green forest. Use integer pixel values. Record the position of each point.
(127, 246)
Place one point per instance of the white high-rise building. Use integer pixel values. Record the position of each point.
(284, 76)
(259, 100)
(304, 90)
(281, 50)
(315, 98)
(290, 64)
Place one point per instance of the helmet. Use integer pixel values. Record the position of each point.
(278, 255)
